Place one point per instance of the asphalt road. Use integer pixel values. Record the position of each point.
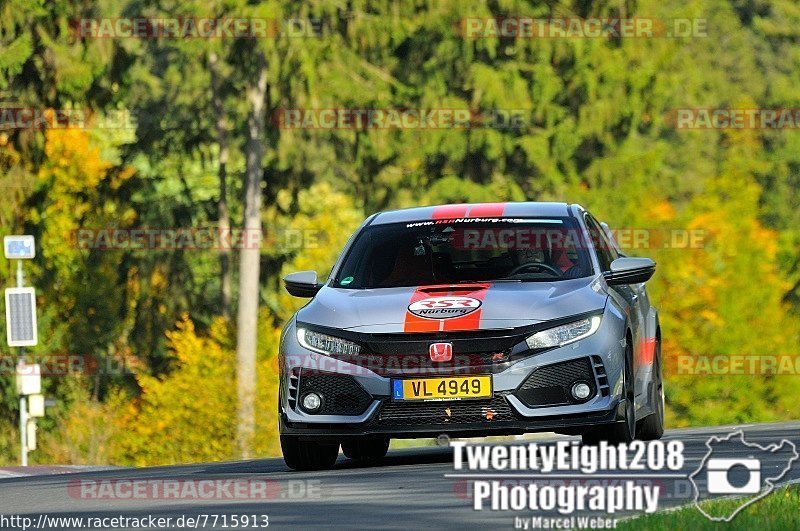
(407, 489)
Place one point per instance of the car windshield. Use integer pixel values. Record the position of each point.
(462, 251)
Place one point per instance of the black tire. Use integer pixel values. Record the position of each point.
(623, 431)
(308, 455)
(651, 427)
(366, 448)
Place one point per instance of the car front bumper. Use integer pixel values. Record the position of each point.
(508, 412)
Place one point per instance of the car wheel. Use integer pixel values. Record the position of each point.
(623, 431)
(652, 427)
(366, 448)
(308, 455)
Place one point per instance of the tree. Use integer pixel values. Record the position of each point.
(250, 260)
(224, 216)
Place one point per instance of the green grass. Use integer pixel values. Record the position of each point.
(779, 510)
(411, 443)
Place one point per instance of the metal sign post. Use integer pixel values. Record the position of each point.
(22, 332)
(23, 432)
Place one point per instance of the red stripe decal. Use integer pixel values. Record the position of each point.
(648, 350)
(450, 211)
(470, 321)
(487, 210)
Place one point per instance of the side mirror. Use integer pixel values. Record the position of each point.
(302, 283)
(627, 270)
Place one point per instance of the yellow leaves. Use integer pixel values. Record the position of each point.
(157, 280)
(189, 413)
(123, 175)
(86, 431)
(662, 211)
(69, 178)
(70, 151)
(724, 298)
(767, 240)
(284, 199)
(713, 317)
(320, 229)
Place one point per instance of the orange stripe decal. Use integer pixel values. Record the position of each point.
(487, 210)
(450, 211)
(648, 349)
(415, 323)
(480, 210)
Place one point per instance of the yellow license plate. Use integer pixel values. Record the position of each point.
(449, 388)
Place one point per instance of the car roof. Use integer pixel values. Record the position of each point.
(473, 210)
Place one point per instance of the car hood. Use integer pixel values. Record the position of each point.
(479, 306)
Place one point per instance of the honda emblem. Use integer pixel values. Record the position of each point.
(441, 351)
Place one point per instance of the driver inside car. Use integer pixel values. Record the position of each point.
(554, 255)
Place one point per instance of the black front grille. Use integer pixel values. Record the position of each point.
(468, 342)
(487, 351)
(420, 364)
(551, 385)
(407, 354)
(341, 393)
(445, 413)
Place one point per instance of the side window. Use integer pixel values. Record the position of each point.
(605, 251)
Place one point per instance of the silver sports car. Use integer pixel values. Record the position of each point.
(470, 320)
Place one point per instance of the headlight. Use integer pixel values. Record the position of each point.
(325, 344)
(564, 334)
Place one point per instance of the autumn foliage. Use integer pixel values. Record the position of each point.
(596, 131)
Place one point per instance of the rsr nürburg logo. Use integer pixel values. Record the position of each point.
(444, 307)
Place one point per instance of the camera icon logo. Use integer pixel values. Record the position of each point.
(733, 476)
(738, 468)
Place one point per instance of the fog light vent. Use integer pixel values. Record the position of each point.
(581, 391)
(312, 402)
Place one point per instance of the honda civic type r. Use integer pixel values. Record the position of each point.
(470, 320)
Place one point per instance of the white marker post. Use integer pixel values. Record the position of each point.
(35, 409)
(23, 432)
(22, 332)
(29, 383)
